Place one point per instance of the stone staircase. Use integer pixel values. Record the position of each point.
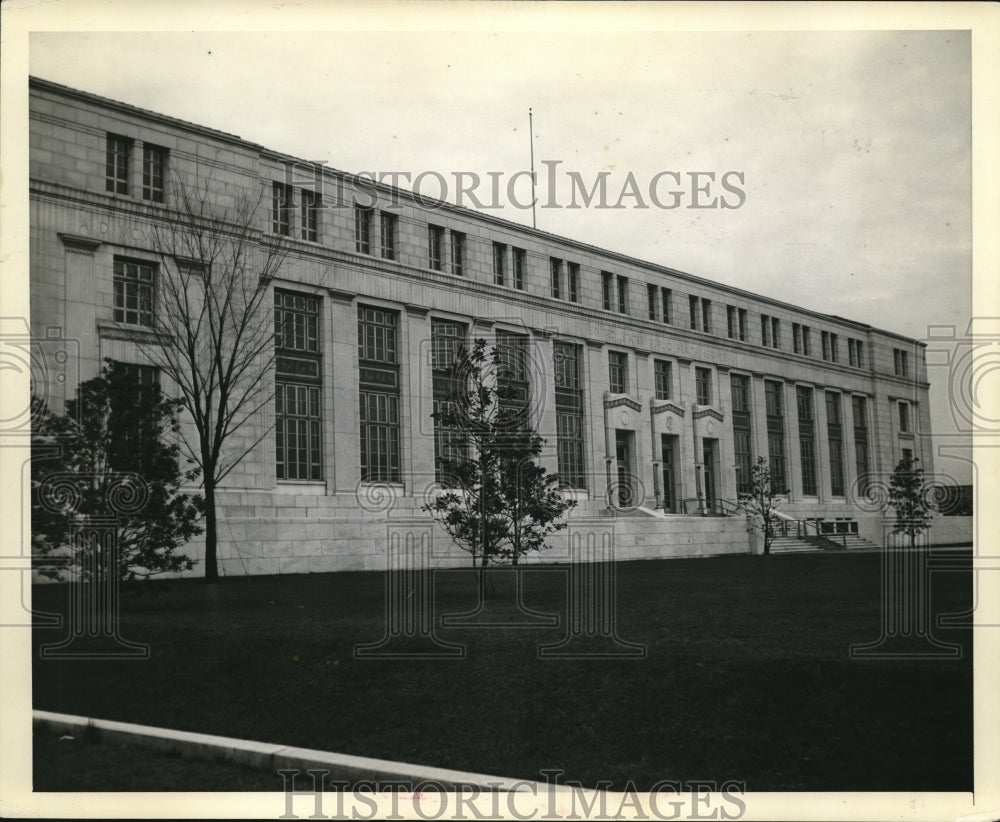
(793, 545)
(851, 542)
(813, 544)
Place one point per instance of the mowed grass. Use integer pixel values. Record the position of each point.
(746, 677)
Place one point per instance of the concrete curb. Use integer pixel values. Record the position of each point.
(274, 757)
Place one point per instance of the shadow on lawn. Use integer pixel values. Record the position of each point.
(746, 677)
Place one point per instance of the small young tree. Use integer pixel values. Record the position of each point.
(761, 500)
(500, 503)
(908, 497)
(112, 443)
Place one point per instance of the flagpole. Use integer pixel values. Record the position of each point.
(531, 138)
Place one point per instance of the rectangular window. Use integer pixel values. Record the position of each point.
(618, 372)
(520, 265)
(731, 321)
(573, 281)
(860, 442)
(569, 415)
(555, 277)
(807, 439)
(665, 299)
(806, 341)
(904, 417)
(693, 310)
(297, 387)
(907, 455)
(154, 168)
(834, 348)
(706, 316)
(774, 404)
(142, 375)
(653, 297)
(742, 446)
(770, 331)
(796, 338)
(703, 386)
(389, 225)
(512, 377)
(743, 324)
(662, 379)
(131, 449)
(281, 209)
(310, 216)
(825, 344)
(900, 361)
(378, 393)
(435, 242)
(119, 152)
(835, 439)
(363, 229)
(499, 264)
(134, 281)
(447, 340)
(623, 301)
(606, 280)
(457, 253)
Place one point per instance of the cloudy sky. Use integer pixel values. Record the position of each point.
(855, 147)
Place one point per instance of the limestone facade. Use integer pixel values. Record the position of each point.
(674, 375)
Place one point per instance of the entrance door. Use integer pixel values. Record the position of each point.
(669, 447)
(623, 453)
(708, 459)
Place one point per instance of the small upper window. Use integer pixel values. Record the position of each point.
(310, 216)
(389, 223)
(154, 168)
(281, 209)
(119, 153)
(363, 229)
(457, 253)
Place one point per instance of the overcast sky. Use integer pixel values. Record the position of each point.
(855, 147)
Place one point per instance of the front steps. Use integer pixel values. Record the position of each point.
(812, 544)
(793, 545)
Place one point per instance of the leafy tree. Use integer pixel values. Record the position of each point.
(500, 504)
(761, 500)
(112, 447)
(908, 497)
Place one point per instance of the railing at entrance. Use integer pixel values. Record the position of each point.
(715, 508)
(815, 529)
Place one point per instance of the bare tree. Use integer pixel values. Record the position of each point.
(211, 330)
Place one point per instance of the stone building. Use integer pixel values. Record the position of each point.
(655, 389)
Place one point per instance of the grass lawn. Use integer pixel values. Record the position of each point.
(747, 677)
